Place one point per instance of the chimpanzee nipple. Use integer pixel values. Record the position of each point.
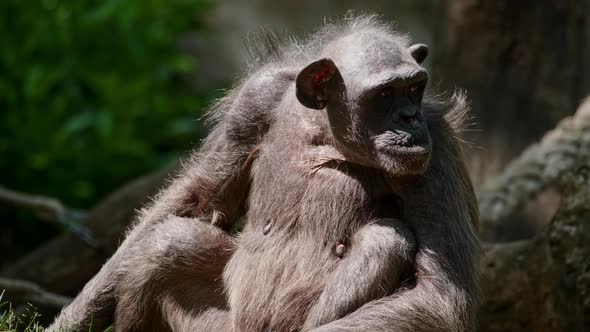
(267, 228)
(339, 250)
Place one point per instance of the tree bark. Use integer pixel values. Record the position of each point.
(542, 284)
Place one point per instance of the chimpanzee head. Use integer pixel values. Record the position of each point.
(372, 86)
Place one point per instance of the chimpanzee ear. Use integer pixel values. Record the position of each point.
(419, 52)
(316, 82)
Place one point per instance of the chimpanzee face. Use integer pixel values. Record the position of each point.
(372, 87)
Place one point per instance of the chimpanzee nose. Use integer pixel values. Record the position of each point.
(409, 117)
(407, 113)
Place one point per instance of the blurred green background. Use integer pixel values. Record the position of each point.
(92, 94)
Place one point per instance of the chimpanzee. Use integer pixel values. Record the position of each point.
(359, 213)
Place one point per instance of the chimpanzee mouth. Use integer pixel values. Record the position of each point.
(402, 143)
(399, 138)
(413, 150)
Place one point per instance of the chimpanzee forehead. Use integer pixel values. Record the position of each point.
(368, 55)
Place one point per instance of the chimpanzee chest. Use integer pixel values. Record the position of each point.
(301, 218)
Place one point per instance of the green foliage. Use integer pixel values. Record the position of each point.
(10, 322)
(93, 92)
(27, 322)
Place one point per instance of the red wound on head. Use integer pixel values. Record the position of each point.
(322, 76)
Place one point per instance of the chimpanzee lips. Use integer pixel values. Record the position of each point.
(399, 142)
(402, 138)
(413, 150)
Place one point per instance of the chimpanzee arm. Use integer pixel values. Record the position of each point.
(212, 187)
(381, 254)
(444, 296)
(173, 276)
(442, 210)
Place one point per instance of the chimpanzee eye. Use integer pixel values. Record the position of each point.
(387, 91)
(415, 92)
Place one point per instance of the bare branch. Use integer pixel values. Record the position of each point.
(22, 292)
(50, 210)
(44, 208)
(64, 264)
(562, 151)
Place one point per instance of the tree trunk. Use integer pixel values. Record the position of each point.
(543, 284)
(525, 65)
